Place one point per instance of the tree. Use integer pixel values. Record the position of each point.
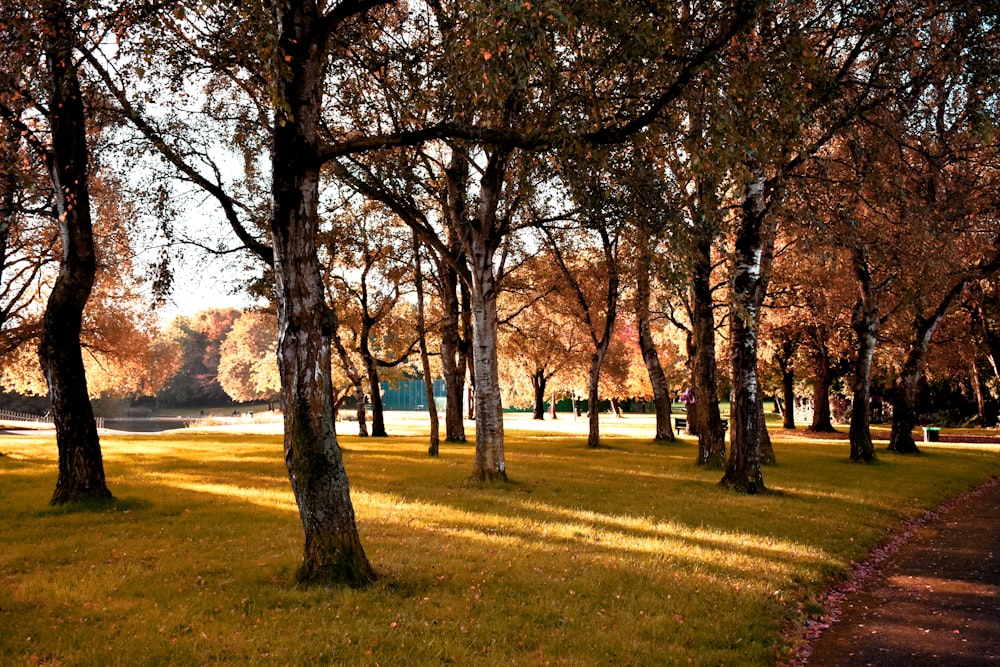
(540, 339)
(592, 276)
(27, 239)
(200, 338)
(66, 157)
(425, 363)
(371, 270)
(248, 369)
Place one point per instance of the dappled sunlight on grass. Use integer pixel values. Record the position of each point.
(270, 498)
(630, 554)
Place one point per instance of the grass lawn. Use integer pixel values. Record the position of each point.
(626, 555)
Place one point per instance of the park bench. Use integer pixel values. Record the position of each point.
(681, 423)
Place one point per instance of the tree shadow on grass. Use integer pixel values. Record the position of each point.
(97, 506)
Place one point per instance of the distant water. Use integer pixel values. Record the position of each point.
(146, 425)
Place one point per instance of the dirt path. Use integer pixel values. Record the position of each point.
(932, 598)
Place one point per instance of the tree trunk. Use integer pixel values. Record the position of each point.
(706, 416)
(822, 378)
(538, 382)
(425, 362)
(467, 359)
(788, 397)
(904, 394)
(786, 406)
(977, 389)
(865, 323)
(904, 415)
(767, 456)
(375, 391)
(490, 463)
(657, 378)
(753, 248)
(482, 240)
(333, 551)
(452, 360)
(593, 395)
(351, 371)
(81, 466)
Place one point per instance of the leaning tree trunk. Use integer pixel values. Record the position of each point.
(865, 323)
(904, 393)
(711, 435)
(657, 378)
(81, 466)
(333, 551)
(753, 249)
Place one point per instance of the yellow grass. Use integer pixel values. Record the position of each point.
(625, 555)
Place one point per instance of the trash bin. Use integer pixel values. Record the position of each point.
(931, 433)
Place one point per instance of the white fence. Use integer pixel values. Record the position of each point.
(11, 415)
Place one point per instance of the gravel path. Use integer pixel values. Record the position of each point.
(932, 597)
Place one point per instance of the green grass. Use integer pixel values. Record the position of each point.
(627, 555)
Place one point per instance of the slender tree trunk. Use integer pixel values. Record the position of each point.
(81, 466)
(977, 389)
(788, 397)
(904, 394)
(425, 362)
(333, 551)
(538, 383)
(657, 378)
(467, 359)
(786, 404)
(593, 395)
(452, 359)
(822, 378)
(375, 391)
(753, 249)
(767, 456)
(705, 413)
(352, 373)
(865, 323)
